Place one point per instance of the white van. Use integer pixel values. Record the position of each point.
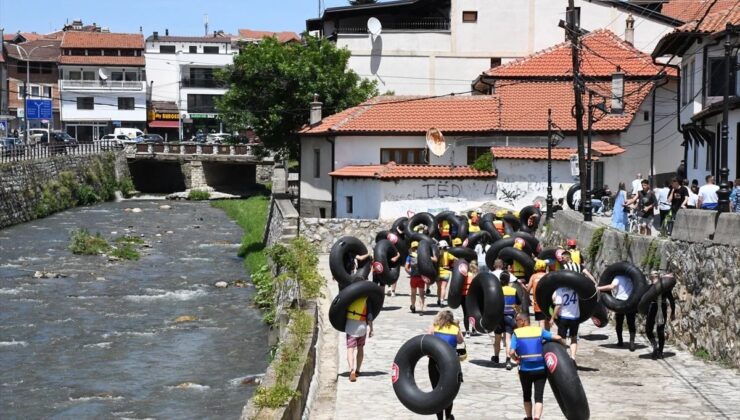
(131, 133)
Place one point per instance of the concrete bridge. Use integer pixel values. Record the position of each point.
(165, 168)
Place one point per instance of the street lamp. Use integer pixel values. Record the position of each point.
(586, 195)
(26, 86)
(723, 194)
(553, 139)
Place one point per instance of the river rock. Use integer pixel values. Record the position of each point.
(252, 379)
(47, 275)
(100, 278)
(165, 207)
(158, 235)
(221, 284)
(240, 283)
(169, 232)
(136, 210)
(185, 318)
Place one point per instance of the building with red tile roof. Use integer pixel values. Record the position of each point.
(693, 10)
(251, 36)
(393, 171)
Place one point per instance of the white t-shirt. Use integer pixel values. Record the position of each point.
(567, 298)
(481, 252)
(708, 193)
(623, 289)
(636, 186)
(355, 328)
(662, 195)
(497, 273)
(691, 202)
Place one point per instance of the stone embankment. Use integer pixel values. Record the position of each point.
(324, 232)
(703, 254)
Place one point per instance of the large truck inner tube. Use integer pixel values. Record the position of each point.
(348, 247)
(639, 286)
(424, 254)
(562, 375)
(398, 241)
(509, 255)
(532, 242)
(464, 253)
(569, 196)
(404, 383)
(451, 218)
(485, 302)
(486, 224)
(511, 223)
(585, 288)
(422, 218)
(600, 317)
(457, 283)
(464, 228)
(345, 297)
(664, 284)
(524, 215)
(551, 254)
(399, 225)
(496, 248)
(385, 271)
(482, 237)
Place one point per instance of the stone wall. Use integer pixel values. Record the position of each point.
(324, 232)
(707, 271)
(25, 186)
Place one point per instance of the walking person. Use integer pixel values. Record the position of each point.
(679, 197)
(445, 271)
(416, 280)
(566, 316)
(691, 203)
(636, 185)
(620, 212)
(569, 264)
(735, 197)
(657, 314)
(664, 204)
(472, 272)
(708, 194)
(480, 251)
(621, 287)
(359, 326)
(448, 329)
(507, 325)
(540, 269)
(646, 202)
(526, 345)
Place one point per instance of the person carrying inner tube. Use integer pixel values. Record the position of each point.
(575, 254)
(444, 230)
(352, 261)
(417, 281)
(507, 325)
(621, 287)
(657, 313)
(472, 272)
(481, 250)
(569, 264)
(540, 269)
(445, 266)
(566, 316)
(516, 268)
(526, 345)
(359, 318)
(448, 329)
(474, 219)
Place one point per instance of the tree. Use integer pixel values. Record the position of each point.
(272, 85)
(358, 2)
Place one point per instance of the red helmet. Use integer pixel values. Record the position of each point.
(571, 243)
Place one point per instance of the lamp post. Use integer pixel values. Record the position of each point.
(586, 195)
(553, 139)
(723, 194)
(26, 86)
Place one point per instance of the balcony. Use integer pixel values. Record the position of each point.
(203, 83)
(101, 85)
(416, 24)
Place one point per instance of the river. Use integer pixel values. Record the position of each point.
(103, 342)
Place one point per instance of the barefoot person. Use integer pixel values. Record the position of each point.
(359, 318)
(417, 281)
(448, 329)
(657, 314)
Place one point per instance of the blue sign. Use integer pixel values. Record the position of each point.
(38, 109)
(116, 123)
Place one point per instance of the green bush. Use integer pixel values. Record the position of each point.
(83, 243)
(126, 185)
(86, 195)
(199, 195)
(125, 251)
(299, 261)
(484, 163)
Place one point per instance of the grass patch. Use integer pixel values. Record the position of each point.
(128, 239)
(85, 243)
(126, 251)
(126, 185)
(596, 242)
(251, 216)
(652, 257)
(703, 354)
(198, 195)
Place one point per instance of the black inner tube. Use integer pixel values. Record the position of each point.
(345, 297)
(639, 286)
(585, 288)
(485, 302)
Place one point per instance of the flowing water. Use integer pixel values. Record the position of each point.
(103, 342)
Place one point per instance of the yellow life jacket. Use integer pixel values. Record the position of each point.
(529, 343)
(445, 262)
(575, 256)
(509, 300)
(357, 310)
(448, 333)
(472, 227)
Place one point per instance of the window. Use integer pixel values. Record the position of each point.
(75, 75)
(717, 77)
(193, 49)
(495, 62)
(47, 91)
(470, 16)
(474, 152)
(348, 204)
(690, 92)
(21, 90)
(317, 163)
(166, 49)
(128, 53)
(116, 76)
(210, 50)
(94, 52)
(405, 156)
(35, 91)
(202, 103)
(85, 102)
(130, 76)
(322, 213)
(709, 149)
(695, 149)
(598, 174)
(126, 103)
(646, 116)
(89, 75)
(684, 83)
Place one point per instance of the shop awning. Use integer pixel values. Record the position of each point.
(164, 124)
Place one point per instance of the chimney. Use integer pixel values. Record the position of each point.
(166, 32)
(316, 110)
(629, 30)
(618, 91)
(155, 36)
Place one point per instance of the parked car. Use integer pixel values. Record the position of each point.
(12, 147)
(113, 141)
(218, 138)
(150, 138)
(131, 133)
(199, 138)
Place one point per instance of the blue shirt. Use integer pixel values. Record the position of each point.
(530, 365)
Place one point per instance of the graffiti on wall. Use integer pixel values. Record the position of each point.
(443, 188)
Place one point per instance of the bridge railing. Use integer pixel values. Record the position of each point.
(23, 152)
(196, 149)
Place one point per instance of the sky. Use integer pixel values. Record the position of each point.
(181, 17)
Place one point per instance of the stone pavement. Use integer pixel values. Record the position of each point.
(618, 383)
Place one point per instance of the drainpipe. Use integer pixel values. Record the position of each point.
(333, 185)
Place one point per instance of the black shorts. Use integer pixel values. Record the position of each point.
(568, 327)
(539, 316)
(507, 325)
(536, 378)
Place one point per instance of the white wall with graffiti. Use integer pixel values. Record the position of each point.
(521, 181)
(374, 199)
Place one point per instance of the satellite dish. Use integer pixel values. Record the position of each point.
(436, 142)
(374, 27)
(103, 73)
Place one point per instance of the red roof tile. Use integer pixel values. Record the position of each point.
(45, 50)
(250, 35)
(692, 10)
(414, 115)
(715, 21)
(534, 153)
(606, 149)
(602, 51)
(30, 36)
(392, 171)
(73, 39)
(102, 60)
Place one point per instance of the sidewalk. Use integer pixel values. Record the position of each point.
(618, 383)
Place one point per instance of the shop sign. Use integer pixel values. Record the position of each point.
(200, 116)
(164, 116)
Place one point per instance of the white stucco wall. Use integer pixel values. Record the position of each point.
(311, 187)
(526, 179)
(105, 104)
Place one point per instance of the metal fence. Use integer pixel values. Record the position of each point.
(418, 24)
(22, 152)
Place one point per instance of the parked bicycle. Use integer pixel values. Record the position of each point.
(666, 229)
(633, 222)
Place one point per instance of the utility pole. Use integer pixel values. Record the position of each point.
(723, 194)
(548, 200)
(573, 30)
